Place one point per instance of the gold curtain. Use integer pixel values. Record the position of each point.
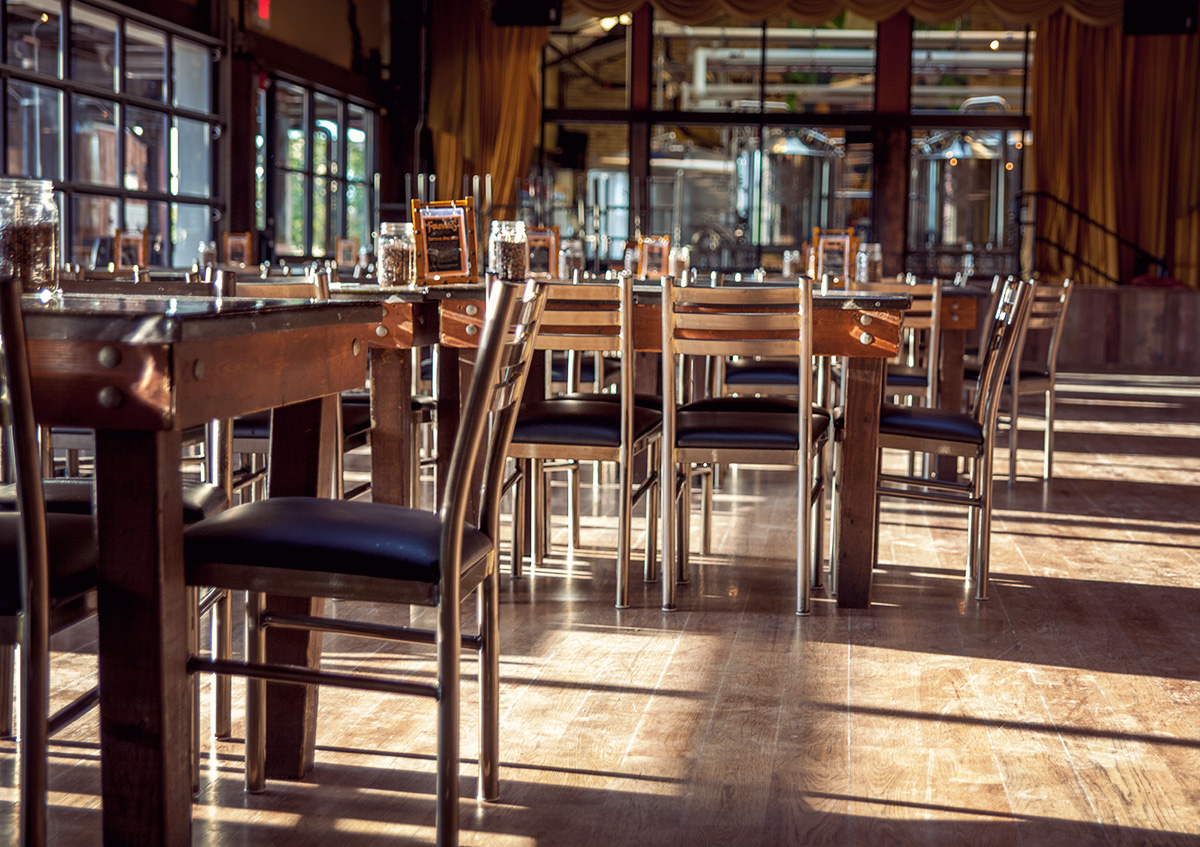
(695, 12)
(1115, 125)
(484, 100)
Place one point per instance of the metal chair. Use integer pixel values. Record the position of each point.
(47, 576)
(607, 428)
(1046, 318)
(744, 321)
(379, 553)
(971, 435)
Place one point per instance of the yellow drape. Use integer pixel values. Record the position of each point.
(1115, 125)
(485, 99)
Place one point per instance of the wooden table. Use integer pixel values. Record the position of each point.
(863, 329)
(139, 370)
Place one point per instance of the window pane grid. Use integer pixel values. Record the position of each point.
(110, 107)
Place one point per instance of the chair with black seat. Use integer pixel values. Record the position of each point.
(1047, 317)
(970, 435)
(47, 575)
(588, 317)
(745, 321)
(380, 553)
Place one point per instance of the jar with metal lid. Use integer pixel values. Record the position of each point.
(868, 264)
(508, 250)
(570, 259)
(29, 232)
(679, 260)
(396, 254)
(791, 264)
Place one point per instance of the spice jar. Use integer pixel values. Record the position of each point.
(396, 262)
(570, 259)
(508, 251)
(29, 232)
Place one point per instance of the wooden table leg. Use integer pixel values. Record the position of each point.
(391, 436)
(950, 388)
(856, 481)
(301, 464)
(145, 699)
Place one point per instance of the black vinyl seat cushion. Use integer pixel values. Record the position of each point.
(355, 538)
(750, 372)
(920, 422)
(906, 376)
(255, 425)
(73, 552)
(777, 405)
(589, 423)
(74, 495)
(742, 430)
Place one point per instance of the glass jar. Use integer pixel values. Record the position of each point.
(208, 254)
(570, 259)
(679, 260)
(396, 261)
(868, 263)
(29, 232)
(508, 250)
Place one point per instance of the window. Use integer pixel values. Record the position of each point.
(316, 170)
(123, 125)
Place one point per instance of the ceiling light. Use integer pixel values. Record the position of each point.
(607, 24)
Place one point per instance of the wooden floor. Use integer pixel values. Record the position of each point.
(1065, 710)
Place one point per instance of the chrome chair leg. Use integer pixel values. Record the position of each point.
(539, 534)
(489, 685)
(449, 642)
(7, 669)
(222, 648)
(256, 701)
(983, 541)
(1014, 401)
(624, 531)
(573, 502)
(650, 563)
(706, 514)
(684, 524)
(193, 605)
(1048, 438)
(520, 522)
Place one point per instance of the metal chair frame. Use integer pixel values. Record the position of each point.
(744, 321)
(585, 318)
(489, 414)
(997, 348)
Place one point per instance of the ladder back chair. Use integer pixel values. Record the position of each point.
(380, 553)
(969, 435)
(1047, 317)
(588, 317)
(740, 321)
(47, 576)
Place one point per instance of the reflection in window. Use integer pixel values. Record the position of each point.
(146, 147)
(150, 219)
(145, 62)
(32, 36)
(34, 117)
(94, 225)
(290, 135)
(193, 161)
(971, 63)
(93, 47)
(190, 225)
(192, 75)
(94, 140)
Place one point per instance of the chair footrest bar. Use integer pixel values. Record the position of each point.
(73, 711)
(645, 486)
(309, 676)
(366, 630)
(925, 482)
(928, 496)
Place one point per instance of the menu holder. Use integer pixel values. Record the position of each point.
(835, 249)
(130, 249)
(237, 248)
(444, 238)
(543, 251)
(347, 252)
(654, 251)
